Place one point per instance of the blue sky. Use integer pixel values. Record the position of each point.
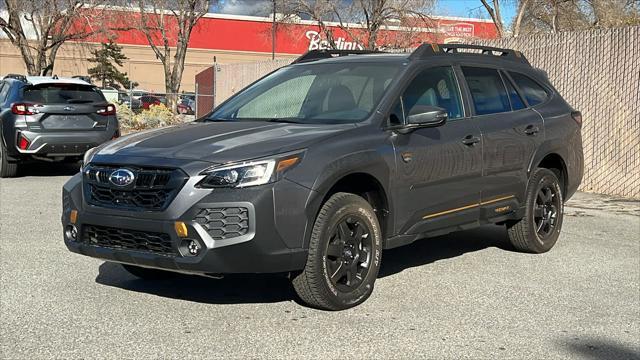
(472, 8)
(461, 8)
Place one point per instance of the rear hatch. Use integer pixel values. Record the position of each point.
(64, 107)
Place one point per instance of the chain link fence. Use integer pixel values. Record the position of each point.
(597, 72)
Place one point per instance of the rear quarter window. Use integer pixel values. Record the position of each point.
(531, 90)
(62, 94)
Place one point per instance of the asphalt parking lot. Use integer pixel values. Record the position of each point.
(465, 295)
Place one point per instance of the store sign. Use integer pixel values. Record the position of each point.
(317, 43)
(458, 30)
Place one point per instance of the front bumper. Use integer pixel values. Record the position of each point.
(273, 241)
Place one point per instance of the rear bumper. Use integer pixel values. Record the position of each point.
(73, 143)
(263, 248)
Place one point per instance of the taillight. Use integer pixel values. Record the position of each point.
(577, 117)
(107, 110)
(23, 109)
(23, 143)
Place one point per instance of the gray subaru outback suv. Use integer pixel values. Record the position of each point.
(51, 119)
(317, 167)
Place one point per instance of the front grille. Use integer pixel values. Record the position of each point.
(224, 223)
(151, 190)
(123, 239)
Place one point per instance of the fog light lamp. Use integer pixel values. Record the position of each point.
(72, 232)
(193, 247)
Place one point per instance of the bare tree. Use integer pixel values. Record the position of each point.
(373, 16)
(39, 28)
(319, 11)
(571, 15)
(365, 20)
(167, 25)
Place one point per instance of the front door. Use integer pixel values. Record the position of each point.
(439, 169)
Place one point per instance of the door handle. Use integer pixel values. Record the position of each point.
(470, 140)
(531, 130)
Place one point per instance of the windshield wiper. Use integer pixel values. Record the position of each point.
(288, 121)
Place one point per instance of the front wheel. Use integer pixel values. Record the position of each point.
(538, 231)
(344, 255)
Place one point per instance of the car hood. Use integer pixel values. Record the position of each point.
(219, 142)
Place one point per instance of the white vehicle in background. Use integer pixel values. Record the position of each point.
(110, 94)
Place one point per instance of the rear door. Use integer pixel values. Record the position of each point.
(64, 107)
(511, 134)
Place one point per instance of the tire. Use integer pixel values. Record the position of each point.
(344, 257)
(147, 273)
(7, 169)
(537, 232)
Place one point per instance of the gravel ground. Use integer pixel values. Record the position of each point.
(465, 295)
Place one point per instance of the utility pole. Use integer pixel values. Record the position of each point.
(273, 33)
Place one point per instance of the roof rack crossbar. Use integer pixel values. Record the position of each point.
(425, 51)
(16, 76)
(314, 55)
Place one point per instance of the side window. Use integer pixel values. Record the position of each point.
(396, 117)
(516, 100)
(487, 90)
(4, 90)
(533, 92)
(434, 87)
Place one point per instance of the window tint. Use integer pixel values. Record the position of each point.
(434, 87)
(487, 90)
(516, 100)
(533, 92)
(62, 94)
(4, 90)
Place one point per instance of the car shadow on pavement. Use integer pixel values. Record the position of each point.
(593, 348)
(426, 251)
(44, 169)
(255, 288)
(233, 289)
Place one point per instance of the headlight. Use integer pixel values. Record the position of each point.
(248, 174)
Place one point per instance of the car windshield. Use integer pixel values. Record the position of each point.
(62, 94)
(312, 93)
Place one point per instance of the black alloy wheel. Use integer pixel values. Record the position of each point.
(348, 254)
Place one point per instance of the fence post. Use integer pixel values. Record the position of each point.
(196, 109)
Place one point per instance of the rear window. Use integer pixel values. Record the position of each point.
(532, 91)
(62, 94)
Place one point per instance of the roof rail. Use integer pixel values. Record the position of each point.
(16, 76)
(83, 78)
(314, 55)
(425, 50)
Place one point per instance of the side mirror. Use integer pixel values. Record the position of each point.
(426, 116)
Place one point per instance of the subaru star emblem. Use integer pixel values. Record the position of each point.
(121, 177)
(69, 108)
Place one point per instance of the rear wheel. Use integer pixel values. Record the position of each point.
(147, 273)
(344, 255)
(7, 169)
(538, 231)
